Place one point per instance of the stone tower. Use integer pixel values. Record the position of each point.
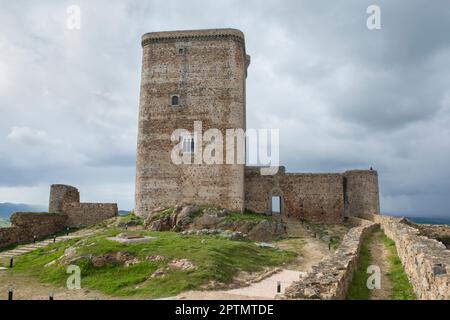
(189, 76)
(361, 192)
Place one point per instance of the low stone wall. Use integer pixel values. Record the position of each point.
(330, 278)
(426, 261)
(9, 236)
(86, 214)
(28, 225)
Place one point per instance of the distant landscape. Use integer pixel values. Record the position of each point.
(430, 220)
(424, 219)
(7, 209)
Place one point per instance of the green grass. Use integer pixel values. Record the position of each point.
(216, 259)
(402, 288)
(358, 287)
(131, 217)
(247, 216)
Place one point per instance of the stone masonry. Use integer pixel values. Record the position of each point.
(66, 199)
(206, 71)
(26, 226)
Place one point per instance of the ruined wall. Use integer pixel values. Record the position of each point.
(27, 225)
(9, 236)
(330, 278)
(66, 199)
(426, 261)
(315, 197)
(209, 76)
(361, 192)
(86, 214)
(60, 194)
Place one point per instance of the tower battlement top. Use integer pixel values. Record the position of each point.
(187, 35)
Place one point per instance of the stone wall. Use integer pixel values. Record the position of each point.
(27, 225)
(61, 194)
(361, 192)
(9, 236)
(85, 214)
(426, 261)
(66, 199)
(330, 278)
(207, 69)
(315, 197)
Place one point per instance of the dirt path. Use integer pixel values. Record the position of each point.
(379, 257)
(28, 288)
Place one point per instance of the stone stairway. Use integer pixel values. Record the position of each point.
(31, 247)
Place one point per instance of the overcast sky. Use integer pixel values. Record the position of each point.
(343, 96)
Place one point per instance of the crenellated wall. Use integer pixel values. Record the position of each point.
(426, 261)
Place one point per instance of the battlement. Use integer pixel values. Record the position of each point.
(188, 35)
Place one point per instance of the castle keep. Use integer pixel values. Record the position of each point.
(200, 75)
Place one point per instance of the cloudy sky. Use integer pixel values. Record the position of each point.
(342, 95)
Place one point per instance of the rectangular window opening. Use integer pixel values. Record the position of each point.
(188, 144)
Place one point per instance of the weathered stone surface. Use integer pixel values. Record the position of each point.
(61, 194)
(209, 77)
(267, 231)
(331, 277)
(426, 261)
(323, 198)
(29, 225)
(86, 214)
(66, 199)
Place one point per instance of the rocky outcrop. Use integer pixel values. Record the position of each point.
(193, 218)
(330, 278)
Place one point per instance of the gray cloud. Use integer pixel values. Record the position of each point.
(342, 96)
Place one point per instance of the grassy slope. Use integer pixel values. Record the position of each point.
(216, 259)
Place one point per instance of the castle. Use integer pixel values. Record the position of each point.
(200, 75)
